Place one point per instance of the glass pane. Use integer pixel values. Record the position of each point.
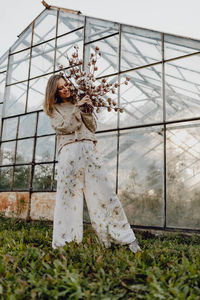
(5, 178)
(18, 66)
(27, 125)
(9, 129)
(45, 26)
(56, 157)
(139, 47)
(141, 99)
(42, 59)
(86, 216)
(141, 175)
(183, 175)
(68, 22)
(107, 147)
(108, 63)
(44, 125)
(7, 153)
(2, 85)
(24, 151)
(45, 149)
(177, 46)
(36, 93)
(182, 88)
(15, 99)
(21, 177)
(42, 179)
(3, 62)
(98, 28)
(65, 45)
(24, 41)
(108, 120)
(1, 108)
(55, 177)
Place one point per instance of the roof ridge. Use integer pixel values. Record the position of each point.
(58, 7)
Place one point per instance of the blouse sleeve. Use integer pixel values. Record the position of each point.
(66, 126)
(89, 121)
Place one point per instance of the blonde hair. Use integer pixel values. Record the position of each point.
(51, 94)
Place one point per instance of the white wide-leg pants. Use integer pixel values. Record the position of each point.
(81, 170)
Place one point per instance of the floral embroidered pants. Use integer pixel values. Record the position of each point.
(81, 170)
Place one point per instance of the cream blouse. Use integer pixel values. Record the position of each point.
(71, 124)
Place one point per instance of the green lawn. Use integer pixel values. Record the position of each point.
(168, 268)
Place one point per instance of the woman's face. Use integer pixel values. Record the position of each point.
(63, 89)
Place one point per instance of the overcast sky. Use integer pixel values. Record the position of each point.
(181, 17)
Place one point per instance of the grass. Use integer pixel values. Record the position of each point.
(168, 268)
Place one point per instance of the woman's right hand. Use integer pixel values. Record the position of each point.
(85, 100)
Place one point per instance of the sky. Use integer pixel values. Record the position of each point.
(180, 17)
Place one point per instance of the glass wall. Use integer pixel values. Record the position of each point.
(151, 150)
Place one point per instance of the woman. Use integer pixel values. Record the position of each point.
(81, 170)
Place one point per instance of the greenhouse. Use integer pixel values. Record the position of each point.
(151, 150)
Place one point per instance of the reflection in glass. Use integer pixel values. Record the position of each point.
(7, 153)
(108, 63)
(98, 28)
(107, 148)
(44, 125)
(183, 175)
(27, 125)
(5, 178)
(42, 179)
(15, 99)
(65, 45)
(36, 93)
(45, 149)
(178, 46)
(21, 177)
(141, 175)
(182, 88)
(45, 26)
(24, 151)
(9, 129)
(139, 47)
(23, 42)
(18, 66)
(142, 97)
(68, 22)
(42, 59)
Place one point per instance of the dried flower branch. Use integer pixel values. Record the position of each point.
(84, 83)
